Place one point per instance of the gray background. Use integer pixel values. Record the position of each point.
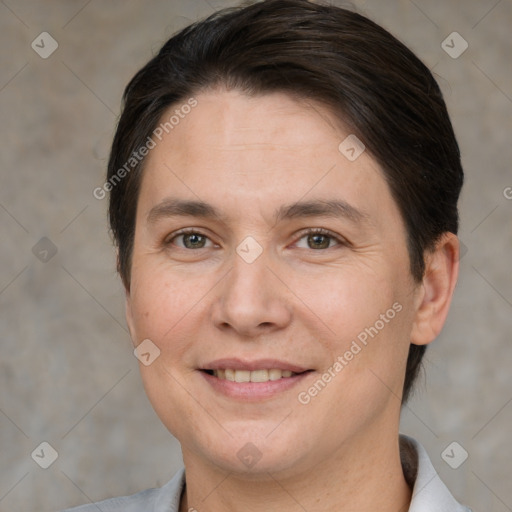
(67, 372)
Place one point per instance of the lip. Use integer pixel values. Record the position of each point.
(259, 364)
(253, 391)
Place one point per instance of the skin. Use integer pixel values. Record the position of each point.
(303, 300)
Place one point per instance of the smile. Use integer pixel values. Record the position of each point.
(252, 380)
(251, 376)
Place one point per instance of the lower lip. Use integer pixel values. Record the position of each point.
(253, 390)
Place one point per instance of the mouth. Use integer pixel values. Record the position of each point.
(264, 375)
(255, 380)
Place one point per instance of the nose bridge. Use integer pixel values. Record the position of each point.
(249, 277)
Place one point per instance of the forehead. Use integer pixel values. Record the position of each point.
(235, 120)
(236, 151)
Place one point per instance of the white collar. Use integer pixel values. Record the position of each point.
(429, 493)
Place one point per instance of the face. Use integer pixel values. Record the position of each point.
(283, 314)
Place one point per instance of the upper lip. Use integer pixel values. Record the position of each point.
(258, 364)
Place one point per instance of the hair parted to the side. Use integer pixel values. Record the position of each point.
(375, 85)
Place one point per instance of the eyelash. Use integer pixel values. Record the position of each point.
(310, 231)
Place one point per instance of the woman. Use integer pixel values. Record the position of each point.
(283, 195)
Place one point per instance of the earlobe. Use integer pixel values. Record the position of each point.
(436, 290)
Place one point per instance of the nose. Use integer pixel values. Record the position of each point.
(252, 299)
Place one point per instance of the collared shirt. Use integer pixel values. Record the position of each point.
(429, 492)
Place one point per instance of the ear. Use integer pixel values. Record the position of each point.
(435, 293)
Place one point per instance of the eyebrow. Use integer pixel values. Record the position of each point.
(172, 207)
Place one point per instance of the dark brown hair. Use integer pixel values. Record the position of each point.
(378, 88)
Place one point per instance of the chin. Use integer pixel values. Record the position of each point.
(255, 455)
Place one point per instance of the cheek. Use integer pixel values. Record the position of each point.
(157, 292)
(364, 318)
(164, 306)
(347, 300)
(155, 305)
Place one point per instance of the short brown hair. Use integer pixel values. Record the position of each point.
(379, 89)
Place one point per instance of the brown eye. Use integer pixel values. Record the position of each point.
(320, 239)
(190, 240)
(317, 241)
(193, 240)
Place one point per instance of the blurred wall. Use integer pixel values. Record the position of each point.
(67, 373)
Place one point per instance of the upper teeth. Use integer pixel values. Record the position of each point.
(254, 376)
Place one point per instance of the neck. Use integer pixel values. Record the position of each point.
(359, 476)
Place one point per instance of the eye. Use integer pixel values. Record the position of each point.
(316, 238)
(191, 239)
(319, 238)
